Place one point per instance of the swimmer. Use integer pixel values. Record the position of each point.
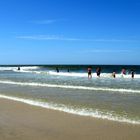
(132, 73)
(98, 71)
(57, 70)
(114, 74)
(89, 72)
(124, 71)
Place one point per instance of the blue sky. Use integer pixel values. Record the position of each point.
(70, 32)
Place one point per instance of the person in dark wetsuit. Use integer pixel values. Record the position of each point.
(132, 73)
(57, 70)
(18, 68)
(89, 72)
(98, 71)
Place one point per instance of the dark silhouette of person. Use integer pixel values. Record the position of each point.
(57, 70)
(114, 74)
(98, 71)
(18, 68)
(89, 72)
(132, 73)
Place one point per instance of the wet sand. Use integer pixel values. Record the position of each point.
(19, 121)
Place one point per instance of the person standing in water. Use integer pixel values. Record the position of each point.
(89, 72)
(98, 71)
(114, 74)
(132, 73)
(57, 70)
(18, 68)
(123, 71)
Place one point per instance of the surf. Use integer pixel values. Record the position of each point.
(118, 90)
(76, 74)
(77, 111)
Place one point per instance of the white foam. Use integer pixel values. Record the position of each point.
(96, 113)
(119, 90)
(27, 69)
(71, 74)
(68, 74)
(94, 75)
(22, 69)
(30, 67)
(7, 68)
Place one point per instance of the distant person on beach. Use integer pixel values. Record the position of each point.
(114, 74)
(68, 70)
(123, 71)
(18, 68)
(98, 71)
(57, 70)
(89, 72)
(132, 73)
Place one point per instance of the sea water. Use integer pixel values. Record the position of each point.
(70, 90)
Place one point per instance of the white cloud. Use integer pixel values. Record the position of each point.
(62, 38)
(46, 21)
(107, 51)
(47, 37)
(49, 21)
(110, 40)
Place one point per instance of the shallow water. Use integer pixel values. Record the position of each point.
(105, 97)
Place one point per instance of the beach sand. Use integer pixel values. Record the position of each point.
(19, 121)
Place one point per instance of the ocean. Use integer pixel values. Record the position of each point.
(70, 90)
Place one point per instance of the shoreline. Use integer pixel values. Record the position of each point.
(69, 111)
(23, 121)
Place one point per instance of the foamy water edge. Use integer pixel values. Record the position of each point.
(63, 108)
(119, 90)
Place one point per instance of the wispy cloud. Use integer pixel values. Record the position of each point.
(49, 21)
(46, 21)
(111, 40)
(62, 38)
(48, 37)
(107, 51)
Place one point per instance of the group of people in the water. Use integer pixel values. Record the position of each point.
(98, 72)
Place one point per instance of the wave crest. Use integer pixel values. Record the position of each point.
(72, 87)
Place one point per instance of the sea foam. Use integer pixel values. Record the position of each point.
(82, 112)
(118, 90)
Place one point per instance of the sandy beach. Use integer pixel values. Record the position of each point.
(26, 122)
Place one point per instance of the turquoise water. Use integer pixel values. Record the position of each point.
(116, 99)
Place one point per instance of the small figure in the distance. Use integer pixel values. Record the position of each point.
(18, 68)
(57, 70)
(98, 71)
(114, 74)
(89, 72)
(132, 73)
(68, 70)
(123, 71)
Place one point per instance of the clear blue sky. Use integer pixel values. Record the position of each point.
(70, 32)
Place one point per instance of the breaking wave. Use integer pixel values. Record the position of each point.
(83, 112)
(119, 90)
